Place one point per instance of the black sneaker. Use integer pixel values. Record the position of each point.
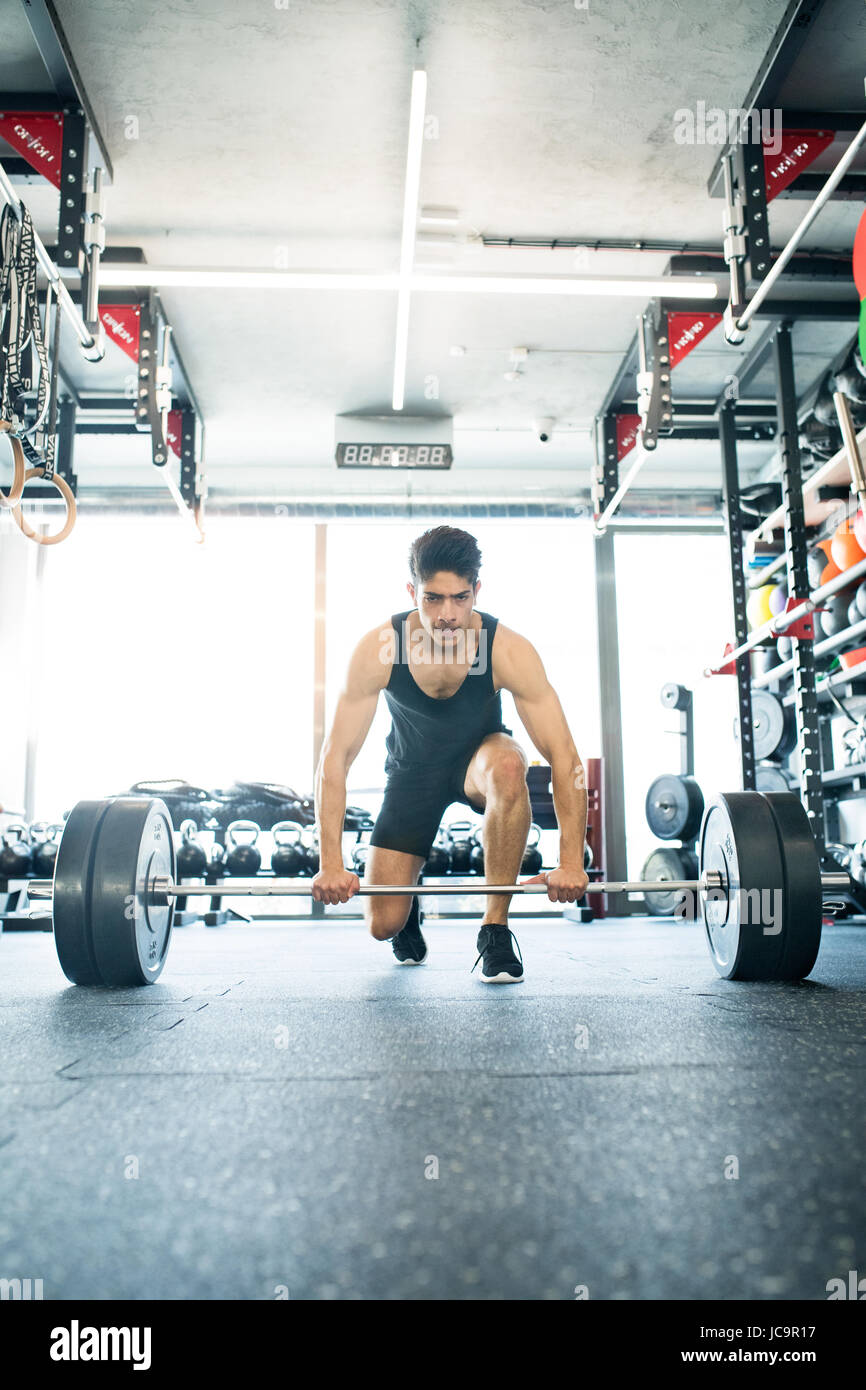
(408, 945)
(501, 966)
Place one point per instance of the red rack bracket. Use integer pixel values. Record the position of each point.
(803, 628)
(727, 668)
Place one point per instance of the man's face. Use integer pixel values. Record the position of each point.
(445, 603)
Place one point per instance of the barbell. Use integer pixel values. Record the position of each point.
(114, 888)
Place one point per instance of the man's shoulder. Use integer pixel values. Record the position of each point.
(508, 642)
(512, 656)
(374, 655)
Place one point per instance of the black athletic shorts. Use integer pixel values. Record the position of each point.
(415, 801)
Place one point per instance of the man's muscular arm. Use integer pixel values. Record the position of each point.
(368, 673)
(519, 668)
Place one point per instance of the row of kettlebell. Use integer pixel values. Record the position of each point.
(29, 851)
(458, 850)
(295, 853)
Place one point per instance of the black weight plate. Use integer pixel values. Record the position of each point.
(73, 871)
(802, 902)
(130, 933)
(674, 806)
(666, 866)
(740, 841)
(770, 779)
(774, 728)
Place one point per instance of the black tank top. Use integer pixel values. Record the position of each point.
(430, 732)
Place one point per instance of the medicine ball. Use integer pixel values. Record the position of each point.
(835, 616)
(815, 562)
(845, 548)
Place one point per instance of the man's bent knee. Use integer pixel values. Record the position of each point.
(386, 917)
(507, 775)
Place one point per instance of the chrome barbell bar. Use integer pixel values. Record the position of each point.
(163, 888)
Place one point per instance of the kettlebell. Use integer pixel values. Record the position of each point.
(587, 857)
(461, 847)
(45, 840)
(216, 857)
(359, 859)
(532, 857)
(439, 858)
(476, 856)
(191, 856)
(15, 860)
(243, 859)
(289, 858)
(310, 846)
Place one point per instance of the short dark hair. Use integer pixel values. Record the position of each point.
(444, 548)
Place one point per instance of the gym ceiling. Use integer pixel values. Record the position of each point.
(277, 137)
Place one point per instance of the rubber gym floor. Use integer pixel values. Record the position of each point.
(288, 1113)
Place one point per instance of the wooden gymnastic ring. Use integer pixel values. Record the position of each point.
(9, 499)
(66, 493)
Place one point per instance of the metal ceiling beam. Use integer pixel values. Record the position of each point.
(807, 266)
(843, 122)
(60, 65)
(31, 101)
(815, 310)
(795, 26)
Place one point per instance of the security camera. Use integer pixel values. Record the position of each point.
(543, 430)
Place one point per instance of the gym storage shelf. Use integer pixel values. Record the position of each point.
(834, 473)
(838, 775)
(840, 678)
(829, 644)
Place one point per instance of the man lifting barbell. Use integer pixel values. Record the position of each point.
(442, 667)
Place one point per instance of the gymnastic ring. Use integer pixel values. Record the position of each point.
(66, 493)
(9, 499)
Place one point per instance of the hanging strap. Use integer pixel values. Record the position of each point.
(20, 328)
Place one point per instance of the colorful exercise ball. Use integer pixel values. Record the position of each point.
(815, 562)
(758, 609)
(860, 528)
(829, 572)
(778, 598)
(845, 548)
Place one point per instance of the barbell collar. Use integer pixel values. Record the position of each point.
(40, 888)
(835, 882)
